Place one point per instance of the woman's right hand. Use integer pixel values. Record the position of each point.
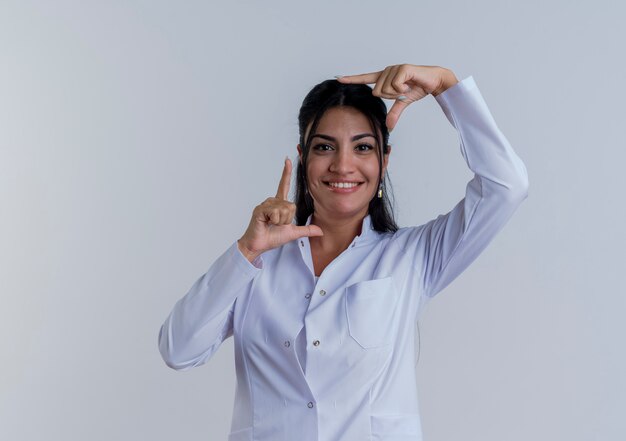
(271, 224)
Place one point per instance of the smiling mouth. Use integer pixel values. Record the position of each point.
(342, 185)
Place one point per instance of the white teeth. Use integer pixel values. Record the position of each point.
(343, 184)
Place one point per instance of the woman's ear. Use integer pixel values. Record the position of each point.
(299, 153)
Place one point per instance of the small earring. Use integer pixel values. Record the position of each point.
(380, 191)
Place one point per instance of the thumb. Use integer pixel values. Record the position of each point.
(394, 114)
(307, 231)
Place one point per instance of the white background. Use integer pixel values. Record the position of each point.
(136, 137)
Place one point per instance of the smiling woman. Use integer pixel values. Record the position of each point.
(323, 312)
(345, 165)
(352, 120)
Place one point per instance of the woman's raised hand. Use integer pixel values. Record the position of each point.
(271, 226)
(405, 83)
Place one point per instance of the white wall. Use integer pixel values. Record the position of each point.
(136, 137)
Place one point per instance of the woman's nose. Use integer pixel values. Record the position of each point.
(342, 163)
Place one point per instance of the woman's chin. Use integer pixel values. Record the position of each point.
(344, 209)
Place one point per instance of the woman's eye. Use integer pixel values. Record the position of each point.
(319, 147)
(367, 147)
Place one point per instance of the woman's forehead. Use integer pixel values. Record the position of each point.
(343, 121)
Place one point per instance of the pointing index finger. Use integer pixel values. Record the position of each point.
(366, 78)
(285, 179)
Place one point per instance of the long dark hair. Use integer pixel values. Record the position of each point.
(332, 93)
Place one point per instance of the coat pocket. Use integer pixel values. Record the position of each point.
(370, 305)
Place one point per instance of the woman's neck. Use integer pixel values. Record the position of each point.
(338, 233)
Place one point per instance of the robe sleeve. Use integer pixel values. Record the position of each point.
(201, 320)
(444, 247)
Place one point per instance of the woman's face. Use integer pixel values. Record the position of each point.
(343, 150)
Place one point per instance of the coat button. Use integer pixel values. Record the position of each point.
(307, 296)
(302, 242)
(287, 343)
(316, 343)
(322, 292)
(310, 404)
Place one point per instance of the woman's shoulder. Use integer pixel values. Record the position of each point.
(404, 236)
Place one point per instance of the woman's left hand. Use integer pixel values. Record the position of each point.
(405, 83)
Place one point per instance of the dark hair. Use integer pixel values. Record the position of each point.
(329, 94)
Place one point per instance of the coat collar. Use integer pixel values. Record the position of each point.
(368, 234)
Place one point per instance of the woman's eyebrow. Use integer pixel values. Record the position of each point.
(354, 138)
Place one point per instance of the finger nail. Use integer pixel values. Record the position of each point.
(402, 97)
(338, 76)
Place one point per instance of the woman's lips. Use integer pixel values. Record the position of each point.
(343, 190)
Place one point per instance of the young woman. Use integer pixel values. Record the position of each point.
(323, 310)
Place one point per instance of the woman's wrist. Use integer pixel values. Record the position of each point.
(448, 79)
(250, 255)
